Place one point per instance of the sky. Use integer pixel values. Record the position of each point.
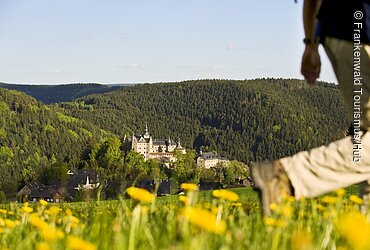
(147, 41)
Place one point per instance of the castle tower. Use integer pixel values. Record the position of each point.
(171, 145)
(146, 134)
(134, 143)
(179, 148)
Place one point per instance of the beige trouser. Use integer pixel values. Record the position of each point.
(331, 167)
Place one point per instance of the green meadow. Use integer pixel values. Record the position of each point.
(222, 219)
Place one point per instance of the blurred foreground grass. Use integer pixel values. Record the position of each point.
(222, 219)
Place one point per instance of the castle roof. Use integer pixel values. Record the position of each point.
(141, 139)
(210, 156)
(159, 142)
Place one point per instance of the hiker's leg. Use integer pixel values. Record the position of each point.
(327, 168)
(365, 194)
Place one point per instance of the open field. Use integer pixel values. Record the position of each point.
(198, 220)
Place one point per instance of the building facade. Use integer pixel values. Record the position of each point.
(151, 148)
(210, 160)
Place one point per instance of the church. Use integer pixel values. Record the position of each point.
(151, 148)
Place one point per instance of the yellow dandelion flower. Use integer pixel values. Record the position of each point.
(52, 234)
(204, 219)
(302, 240)
(75, 220)
(3, 211)
(140, 194)
(72, 220)
(184, 200)
(268, 221)
(356, 199)
(225, 195)
(43, 202)
(10, 224)
(53, 210)
(288, 198)
(340, 192)
(11, 213)
(26, 204)
(214, 210)
(329, 199)
(43, 246)
(287, 211)
(273, 206)
(2, 230)
(76, 243)
(68, 211)
(189, 186)
(26, 209)
(38, 222)
(355, 229)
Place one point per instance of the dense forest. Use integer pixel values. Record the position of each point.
(245, 120)
(61, 93)
(242, 120)
(33, 137)
(41, 143)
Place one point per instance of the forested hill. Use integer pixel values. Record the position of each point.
(60, 93)
(245, 120)
(33, 137)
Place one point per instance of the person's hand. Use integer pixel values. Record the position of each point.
(311, 64)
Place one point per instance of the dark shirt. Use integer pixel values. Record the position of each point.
(336, 19)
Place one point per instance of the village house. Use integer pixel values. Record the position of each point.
(210, 160)
(58, 191)
(83, 179)
(35, 191)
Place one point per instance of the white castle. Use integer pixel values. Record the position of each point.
(156, 149)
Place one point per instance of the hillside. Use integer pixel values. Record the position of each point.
(245, 120)
(33, 137)
(60, 93)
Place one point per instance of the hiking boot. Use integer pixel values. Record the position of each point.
(365, 195)
(271, 182)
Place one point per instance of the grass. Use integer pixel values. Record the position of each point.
(201, 220)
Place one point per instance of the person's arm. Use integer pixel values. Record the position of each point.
(311, 64)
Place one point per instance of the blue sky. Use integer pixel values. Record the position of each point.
(136, 41)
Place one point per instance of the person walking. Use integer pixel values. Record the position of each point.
(342, 27)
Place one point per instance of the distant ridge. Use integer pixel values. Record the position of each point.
(62, 92)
